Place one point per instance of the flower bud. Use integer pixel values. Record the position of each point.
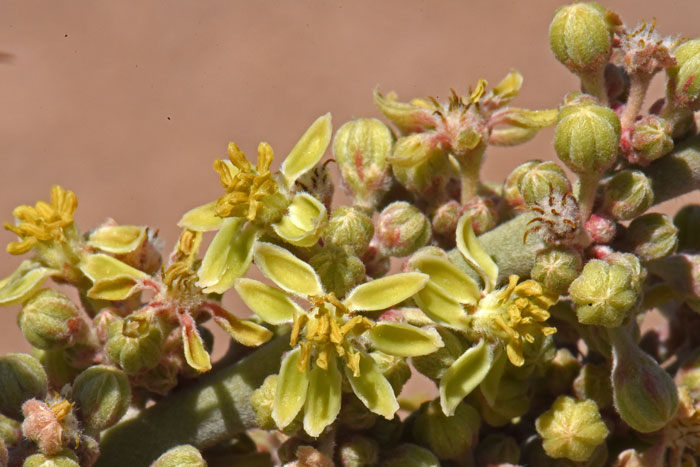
(318, 182)
(4, 455)
(447, 437)
(134, 342)
(376, 260)
(651, 139)
(632, 264)
(103, 395)
(65, 458)
(359, 451)
(603, 294)
(541, 180)
(511, 187)
(361, 148)
(411, 455)
(497, 449)
(402, 229)
(627, 195)
(338, 270)
(50, 320)
(593, 382)
(21, 378)
(601, 229)
(687, 220)
(587, 137)
(262, 401)
(560, 372)
(184, 455)
(349, 228)
(512, 400)
(58, 365)
(446, 217)
(435, 365)
(427, 179)
(571, 429)
(482, 212)
(652, 236)
(52, 426)
(684, 78)
(556, 268)
(580, 36)
(10, 431)
(355, 415)
(645, 395)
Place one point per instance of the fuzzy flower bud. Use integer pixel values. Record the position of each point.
(684, 78)
(651, 139)
(427, 179)
(134, 343)
(435, 365)
(571, 429)
(411, 455)
(181, 456)
(627, 195)
(402, 229)
(50, 320)
(21, 378)
(338, 270)
(446, 217)
(103, 395)
(361, 148)
(601, 229)
(359, 451)
(447, 437)
(560, 372)
(10, 430)
(349, 228)
(51, 427)
(603, 294)
(262, 401)
(632, 264)
(652, 236)
(4, 455)
(541, 180)
(482, 212)
(65, 458)
(497, 449)
(511, 187)
(593, 382)
(687, 220)
(556, 268)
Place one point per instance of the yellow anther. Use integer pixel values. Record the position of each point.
(303, 362)
(353, 362)
(61, 409)
(322, 359)
(478, 92)
(298, 324)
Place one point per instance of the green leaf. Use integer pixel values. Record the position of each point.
(202, 218)
(308, 150)
(112, 279)
(454, 282)
(434, 301)
(229, 255)
(270, 303)
(385, 292)
(292, 386)
(196, 355)
(404, 340)
(23, 282)
(323, 400)
(475, 255)
(372, 388)
(117, 239)
(465, 374)
(303, 222)
(287, 271)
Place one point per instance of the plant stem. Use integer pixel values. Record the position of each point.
(593, 83)
(588, 188)
(639, 84)
(469, 168)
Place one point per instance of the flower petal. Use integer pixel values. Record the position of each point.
(269, 303)
(373, 389)
(292, 386)
(22, 283)
(475, 255)
(465, 374)
(404, 340)
(455, 282)
(385, 292)
(308, 150)
(117, 239)
(438, 306)
(112, 279)
(202, 218)
(287, 271)
(302, 223)
(196, 355)
(323, 400)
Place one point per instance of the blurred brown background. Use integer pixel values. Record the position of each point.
(128, 103)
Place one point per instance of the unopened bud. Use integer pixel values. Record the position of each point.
(65, 458)
(427, 179)
(58, 365)
(556, 268)
(4, 455)
(318, 182)
(179, 456)
(402, 229)
(359, 451)
(435, 365)
(349, 228)
(511, 187)
(512, 400)
(684, 78)
(411, 455)
(687, 220)
(447, 437)
(134, 343)
(50, 320)
(542, 180)
(651, 139)
(10, 431)
(482, 212)
(560, 372)
(262, 401)
(593, 382)
(103, 395)
(497, 449)
(51, 427)
(339, 270)
(627, 195)
(652, 236)
(446, 217)
(601, 229)
(633, 265)
(21, 378)
(355, 415)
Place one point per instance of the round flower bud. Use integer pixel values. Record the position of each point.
(497, 449)
(411, 455)
(21, 378)
(571, 429)
(446, 217)
(10, 430)
(435, 365)
(262, 401)
(349, 228)
(355, 415)
(447, 437)
(58, 365)
(512, 400)
(593, 382)
(601, 229)
(103, 395)
(587, 137)
(541, 180)
(556, 268)
(632, 264)
(50, 320)
(603, 294)
(627, 195)
(482, 212)
(652, 236)
(4, 455)
(66, 458)
(560, 372)
(402, 229)
(50, 425)
(684, 78)
(361, 148)
(427, 179)
(339, 271)
(134, 342)
(359, 451)
(651, 139)
(179, 456)
(511, 187)
(687, 220)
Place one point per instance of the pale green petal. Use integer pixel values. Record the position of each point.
(303, 222)
(308, 150)
(438, 306)
(292, 386)
(489, 386)
(112, 279)
(475, 255)
(243, 331)
(202, 218)
(323, 400)
(385, 292)
(22, 283)
(270, 303)
(455, 282)
(287, 271)
(229, 255)
(373, 389)
(404, 340)
(196, 355)
(465, 374)
(117, 239)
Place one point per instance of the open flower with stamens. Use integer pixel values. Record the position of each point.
(258, 201)
(507, 318)
(331, 338)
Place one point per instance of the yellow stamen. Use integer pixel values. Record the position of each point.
(61, 409)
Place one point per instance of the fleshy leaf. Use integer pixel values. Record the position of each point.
(323, 401)
(489, 386)
(269, 303)
(455, 282)
(229, 255)
(196, 355)
(22, 283)
(292, 386)
(404, 340)
(302, 223)
(117, 239)
(372, 388)
(385, 292)
(308, 150)
(202, 218)
(112, 279)
(243, 331)
(287, 271)
(465, 374)
(474, 253)
(434, 301)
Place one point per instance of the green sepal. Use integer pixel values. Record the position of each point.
(292, 385)
(23, 282)
(117, 239)
(196, 355)
(505, 91)
(453, 281)
(511, 136)
(308, 150)
(475, 255)
(372, 388)
(323, 400)
(202, 218)
(489, 386)
(112, 279)
(242, 331)
(383, 293)
(404, 340)
(435, 302)
(287, 271)
(465, 374)
(407, 117)
(303, 221)
(269, 303)
(413, 150)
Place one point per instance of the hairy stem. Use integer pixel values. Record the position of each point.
(588, 187)
(593, 83)
(639, 84)
(469, 168)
